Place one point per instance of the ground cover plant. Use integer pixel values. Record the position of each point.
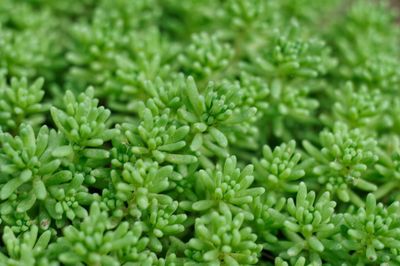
(199, 132)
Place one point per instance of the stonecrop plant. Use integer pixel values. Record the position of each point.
(199, 132)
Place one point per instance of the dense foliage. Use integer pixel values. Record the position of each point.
(199, 132)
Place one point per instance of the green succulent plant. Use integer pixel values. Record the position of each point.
(28, 248)
(279, 170)
(372, 233)
(227, 186)
(29, 162)
(21, 103)
(310, 227)
(343, 161)
(84, 125)
(220, 238)
(93, 243)
(205, 55)
(362, 107)
(234, 132)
